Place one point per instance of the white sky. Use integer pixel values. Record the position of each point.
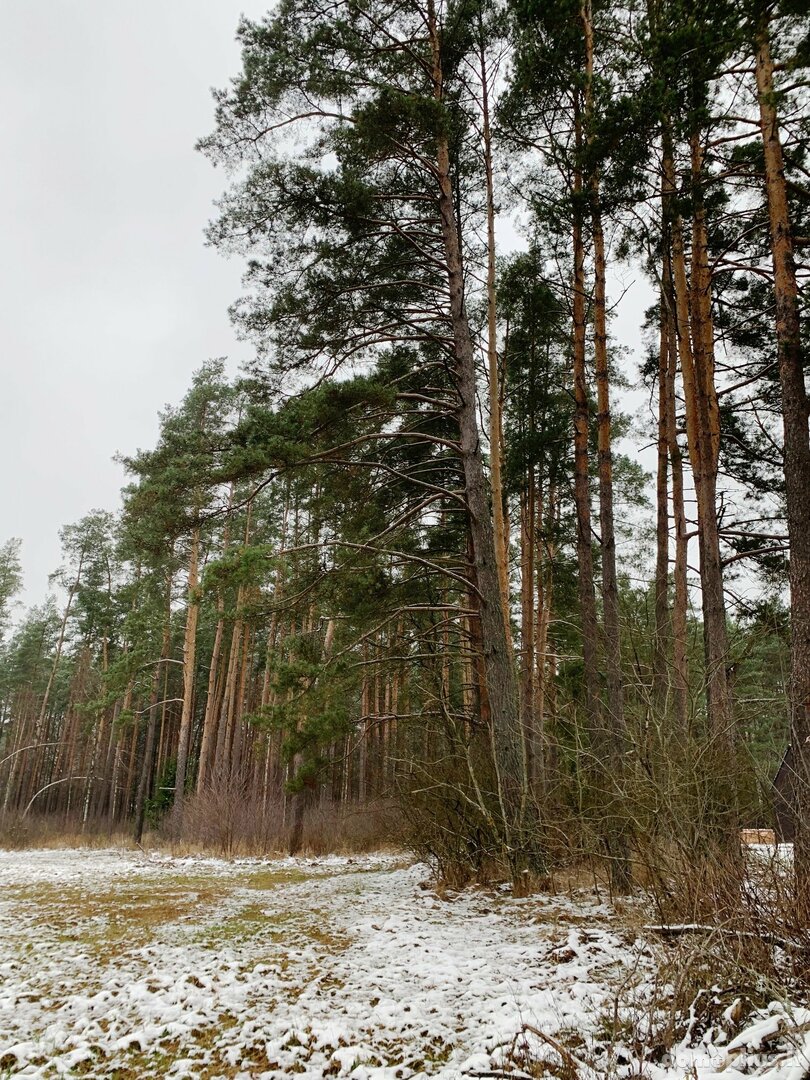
(109, 297)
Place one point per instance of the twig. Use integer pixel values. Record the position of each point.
(502, 1075)
(566, 1055)
(680, 929)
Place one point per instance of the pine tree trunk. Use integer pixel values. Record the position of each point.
(495, 416)
(610, 586)
(208, 742)
(681, 590)
(268, 698)
(148, 762)
(715, 631)
(663, 622)
(544, 673)
(60, 644)
(128, 800)
(112, 795)
(704, 472)
(613, 737)
(582, 484)
(209, 732)
(40, 735)
(527, 639)
(796, 462)
(228, 707)
(500, 672)
(476, 642)
(237, 751)
(189, 660)
(148, 758)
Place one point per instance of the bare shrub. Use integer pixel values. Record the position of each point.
(50, 831)
(454, 819)
(226, 819)
(351, 828)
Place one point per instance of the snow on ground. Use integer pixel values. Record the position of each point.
(119, 965)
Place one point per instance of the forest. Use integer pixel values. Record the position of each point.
(404, 577)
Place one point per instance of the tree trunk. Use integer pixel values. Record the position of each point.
(189, 658)
(663, 622)
(704, 471)
(610, 586)
(715, 632)
(40, 736)
(237, 746)
(681, 591)
(582, 484)
(544, 670)
(228, 707)
(527, 639)
(495, 415)
(148, 758)
(148, 763)
(796, 462)
(500, 673)
(208, 742)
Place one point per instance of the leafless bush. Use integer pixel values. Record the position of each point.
(351, 828)
(226, 819)
(53, 831)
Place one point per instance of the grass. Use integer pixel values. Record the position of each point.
(208, 1057)
(129, 914)
(132, 910)
(248, 915)
(245, 910)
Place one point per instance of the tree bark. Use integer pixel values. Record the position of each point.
(702, 456)
(610, 585)
(500, 673)
(544, 665)
(189, 659)
(582, 484)
(715, 631)
(796, 461)
(495, 416)
(681, 590)
(663, 621)
(527, 637)
(39, 731)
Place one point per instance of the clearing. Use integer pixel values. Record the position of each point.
(121, 965)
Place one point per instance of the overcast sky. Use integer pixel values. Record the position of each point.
(110, 299)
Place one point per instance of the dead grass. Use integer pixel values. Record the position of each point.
(104, 921)
(271, 879)
(224, 823)
(204, 1049)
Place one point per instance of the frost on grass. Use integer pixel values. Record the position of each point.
(114, 965)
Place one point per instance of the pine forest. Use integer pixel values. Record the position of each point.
(418, 573)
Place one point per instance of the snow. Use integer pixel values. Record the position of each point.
(113, 963)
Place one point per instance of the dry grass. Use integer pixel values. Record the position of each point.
(128, 915)
(160, 1060)
(225, 823)
(241, 909)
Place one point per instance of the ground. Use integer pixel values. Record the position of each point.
(128, 966)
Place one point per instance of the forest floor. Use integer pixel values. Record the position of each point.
(123, 965)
